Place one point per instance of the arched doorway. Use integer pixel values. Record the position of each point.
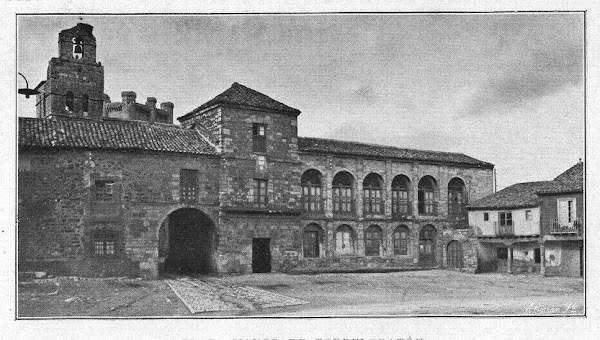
(188, 243)
(427, 246)
(455, 255)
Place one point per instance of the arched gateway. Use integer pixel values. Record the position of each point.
(187, 243)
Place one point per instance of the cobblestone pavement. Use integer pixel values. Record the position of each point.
(211, 294)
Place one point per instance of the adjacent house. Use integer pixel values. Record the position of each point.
(534, 227)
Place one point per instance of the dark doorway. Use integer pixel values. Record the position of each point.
(191, 240)
(261, 255)
(502, 259)
(455, 255)
(427, 246)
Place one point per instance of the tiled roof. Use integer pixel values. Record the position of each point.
(520, 195)
(569, 181)
(111, 134)
(330, 146)
(239, 94)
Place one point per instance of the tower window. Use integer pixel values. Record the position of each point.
(77, 47)
(69, 101)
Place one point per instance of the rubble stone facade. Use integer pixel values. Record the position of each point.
(120, 192)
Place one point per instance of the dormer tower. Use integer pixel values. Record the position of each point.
(75, 80)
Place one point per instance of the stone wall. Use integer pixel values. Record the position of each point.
(57, 215)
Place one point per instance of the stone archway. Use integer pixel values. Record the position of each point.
(187, 243)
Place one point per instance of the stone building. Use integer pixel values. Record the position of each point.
(232, 189)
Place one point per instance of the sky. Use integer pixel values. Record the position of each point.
(503, 88)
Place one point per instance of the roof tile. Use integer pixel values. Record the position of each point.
(331, 146)
(111, 134)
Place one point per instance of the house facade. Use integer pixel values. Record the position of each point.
(232, 189)
(527, 227)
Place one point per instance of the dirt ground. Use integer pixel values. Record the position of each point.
(433, 292)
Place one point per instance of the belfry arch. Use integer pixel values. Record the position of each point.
(187, 243)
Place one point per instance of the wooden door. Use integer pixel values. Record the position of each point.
(455, 255)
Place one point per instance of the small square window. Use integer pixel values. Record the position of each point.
(528, 215)
(104, 190)
(486, 216)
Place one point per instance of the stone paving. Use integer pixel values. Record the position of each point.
(211, 294)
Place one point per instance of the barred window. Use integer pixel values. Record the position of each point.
(260, 192)
(104, 242)
(189, 185)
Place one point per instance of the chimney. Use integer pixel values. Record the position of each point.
(128, 97)
(168, 106)
(151, 104)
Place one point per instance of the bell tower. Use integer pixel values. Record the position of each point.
(75, 81)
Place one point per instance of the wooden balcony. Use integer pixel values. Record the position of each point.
(401, 210)
(504, 230)
(344, 207)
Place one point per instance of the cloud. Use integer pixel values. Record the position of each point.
(541, 74)
(366, 92)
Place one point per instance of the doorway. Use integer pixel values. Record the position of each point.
(427, 246)
(455, 255)
(261, 255)
(187, 240)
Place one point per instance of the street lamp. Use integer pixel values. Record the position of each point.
(27, 91)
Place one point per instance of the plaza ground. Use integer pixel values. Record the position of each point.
(430, 292)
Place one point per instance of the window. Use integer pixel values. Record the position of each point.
(372, 240)
(456, 197)
(259, 138)
(372, 202)
(537, 258)
(260, 193)
(188, 180)
(400, 196)
(400, 238)
(261, 162)
(85, 103)
(311, 240)
(343, 195)
(312, 199)
(528, 215)
(567, 213)
(427, 203)
(69, 98)
(104, 190)
(344, 240)
(505, 219)
(104, 242)
(486, 216)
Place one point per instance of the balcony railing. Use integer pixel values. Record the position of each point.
(373, 206)
(401, 209)
(428, 208)
(504, 230)
(575, 227)
(344, 206)
(313, 204)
